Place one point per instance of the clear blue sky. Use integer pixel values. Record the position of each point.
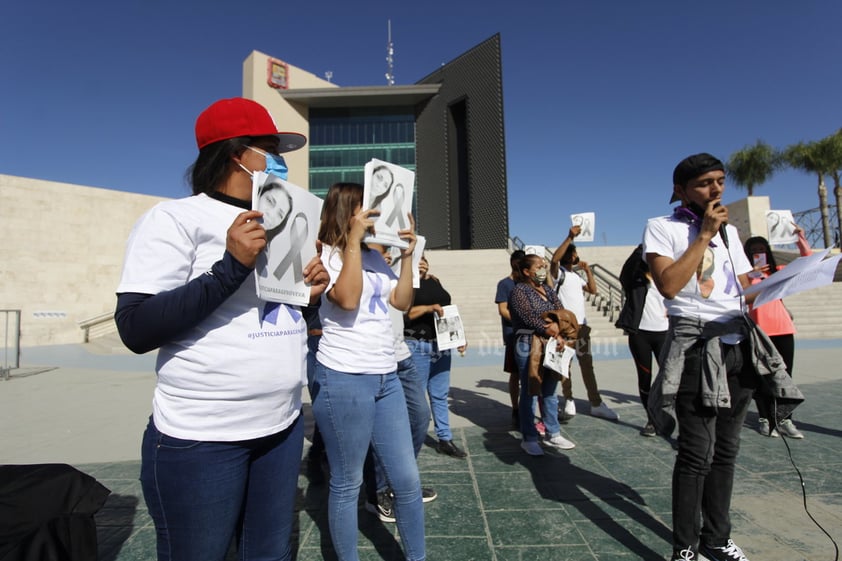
(602, 98)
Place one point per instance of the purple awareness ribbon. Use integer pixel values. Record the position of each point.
(377, 289)
(270, 313)
(731, 284)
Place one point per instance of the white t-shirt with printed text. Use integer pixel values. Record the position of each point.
(238, 374)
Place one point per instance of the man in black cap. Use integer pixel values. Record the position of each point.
(707, 376)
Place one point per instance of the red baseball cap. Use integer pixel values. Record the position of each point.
(237, 116)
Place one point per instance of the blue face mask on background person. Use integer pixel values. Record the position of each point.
(275, 163)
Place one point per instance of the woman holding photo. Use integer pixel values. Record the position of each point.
(774, 319)
(433, 366)
(358, 399)
(221, 453)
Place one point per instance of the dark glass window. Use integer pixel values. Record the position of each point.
(343, 140)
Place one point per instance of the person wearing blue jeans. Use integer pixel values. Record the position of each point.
(531, 298)
(358, 400)
(221, 454)
(419, 418)
(433, 366)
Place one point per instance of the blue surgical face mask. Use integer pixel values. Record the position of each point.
(275, 163)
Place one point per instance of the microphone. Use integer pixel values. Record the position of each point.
(722, 233)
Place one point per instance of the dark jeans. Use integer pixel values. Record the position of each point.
(708, 443)
(785, 344)
(643, 345)
(202, 494)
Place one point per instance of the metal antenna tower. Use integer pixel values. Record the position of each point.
(390, 57)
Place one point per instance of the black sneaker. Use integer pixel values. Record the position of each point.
(687, 554)
(447, 447)
(383, 509)
(428, 495)
(728, 552)
(648, 430)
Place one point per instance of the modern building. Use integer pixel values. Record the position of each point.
(448, 128)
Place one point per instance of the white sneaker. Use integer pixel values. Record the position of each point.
(787, 428)
(569, 408)
(764, 428)
(604, 412)
(531, 447)
(559, 442)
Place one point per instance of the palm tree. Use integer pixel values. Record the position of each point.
(752, 166)
(812, 157)
(834, 154)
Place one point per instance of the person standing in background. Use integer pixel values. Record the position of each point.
(570, 288)
(644, 320)
(433, 366)
(775, 320)
(504, 289)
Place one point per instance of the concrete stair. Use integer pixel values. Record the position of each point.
(817, 312)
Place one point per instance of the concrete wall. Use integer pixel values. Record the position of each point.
(62, 253)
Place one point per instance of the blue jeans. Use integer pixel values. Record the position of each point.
(549, 385)
(202, 494)
(433, 369)
(354, 411)
(418, 409)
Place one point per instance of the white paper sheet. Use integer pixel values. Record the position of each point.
(587, 220)
(291, 217)
(558, 360)
(450, 333)
(819, 275)
(781, 227)
(388, 188)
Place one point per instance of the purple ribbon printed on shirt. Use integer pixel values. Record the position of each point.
(377, 289)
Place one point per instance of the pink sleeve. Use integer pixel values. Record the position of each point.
(803, 245)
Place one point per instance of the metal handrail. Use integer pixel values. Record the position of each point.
(609, 297)
(87, 325)
(11, 342)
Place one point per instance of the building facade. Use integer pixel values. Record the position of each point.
(448, 128)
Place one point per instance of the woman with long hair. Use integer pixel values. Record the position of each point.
(775, 320)
(358, 399)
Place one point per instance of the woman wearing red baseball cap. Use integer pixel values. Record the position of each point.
(221, 452)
